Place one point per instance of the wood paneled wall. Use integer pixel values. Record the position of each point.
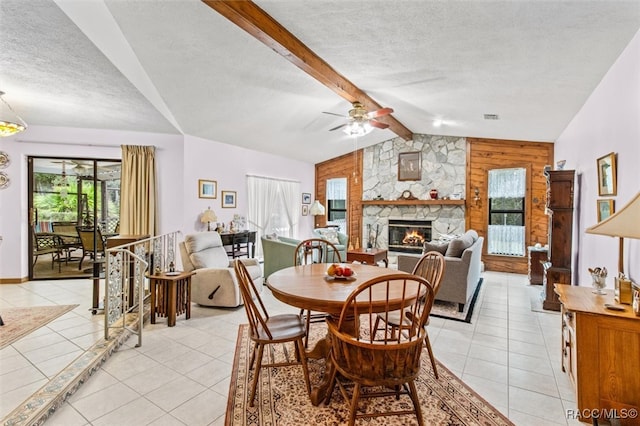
(486, 154)
(347, 166)
(482, 155)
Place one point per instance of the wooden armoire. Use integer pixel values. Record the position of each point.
(560, 190)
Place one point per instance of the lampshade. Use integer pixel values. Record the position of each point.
(207, 217)
(8, 125)
(316, 209)
(625, 223)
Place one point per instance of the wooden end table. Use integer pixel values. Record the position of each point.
(170, 296)
(370, 257)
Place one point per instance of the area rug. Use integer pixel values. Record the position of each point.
(449, 310)
(18, 322)
(282, 399)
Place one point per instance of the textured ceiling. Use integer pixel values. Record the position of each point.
(177, 66)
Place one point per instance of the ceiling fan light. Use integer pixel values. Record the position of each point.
(358, 128)
(10, 127)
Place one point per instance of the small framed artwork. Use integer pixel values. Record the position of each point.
(228, 199)
(305, 210)
(409, 165)
(207, 188)
(607, 175)
(306, 198)
(605, 209)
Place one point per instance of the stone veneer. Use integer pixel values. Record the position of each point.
(443, 168)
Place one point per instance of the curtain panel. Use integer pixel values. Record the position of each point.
(138, 207)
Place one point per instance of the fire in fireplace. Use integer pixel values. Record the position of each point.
(408, 235)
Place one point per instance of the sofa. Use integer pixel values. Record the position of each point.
(215, 282)
(463, 264)
(278, 253)
(338, 239)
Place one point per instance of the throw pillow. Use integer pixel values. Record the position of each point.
(330, 235)
(273, 237)
(434, 246)
(458, 245)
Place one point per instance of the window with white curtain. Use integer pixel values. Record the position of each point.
(506, 231)
(274, 207)
(337, 203)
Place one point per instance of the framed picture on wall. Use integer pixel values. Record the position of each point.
(207, 188)
(607, 175)
(306, 198)
(409, 165)
(305, 210)
(228, 199)
(605, 209)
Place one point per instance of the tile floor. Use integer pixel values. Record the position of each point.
(180, 376)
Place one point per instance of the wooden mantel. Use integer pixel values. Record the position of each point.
(412, 202)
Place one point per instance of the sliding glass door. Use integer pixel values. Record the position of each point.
(67, 196)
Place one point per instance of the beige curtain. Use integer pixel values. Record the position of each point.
(138, 214)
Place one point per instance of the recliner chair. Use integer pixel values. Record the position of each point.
(215, 282)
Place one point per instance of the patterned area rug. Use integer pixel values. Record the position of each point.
(282, 399)
(449, 310)
(18, 322)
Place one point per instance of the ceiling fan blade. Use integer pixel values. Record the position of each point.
(338, 127)
(333, 113)
(380, 112)
(378, 124)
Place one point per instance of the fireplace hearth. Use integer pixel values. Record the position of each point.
(408, 236)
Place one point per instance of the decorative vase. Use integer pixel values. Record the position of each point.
(434, 194)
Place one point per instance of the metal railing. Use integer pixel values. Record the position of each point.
(126, 282)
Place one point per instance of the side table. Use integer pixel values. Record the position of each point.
(370, 257)
(170, 296)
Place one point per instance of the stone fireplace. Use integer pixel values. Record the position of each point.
(408, 236)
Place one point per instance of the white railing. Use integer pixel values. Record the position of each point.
(126, 282)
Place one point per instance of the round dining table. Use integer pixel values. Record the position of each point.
(309, 287)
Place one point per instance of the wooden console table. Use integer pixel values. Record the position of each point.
(170, 296)
(371, 257)
(227, 240)
(601, 354)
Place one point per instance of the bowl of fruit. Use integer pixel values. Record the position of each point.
(338, 271)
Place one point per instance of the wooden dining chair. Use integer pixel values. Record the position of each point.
(314, 250)
(431, 267)
(388, 362)
(268, 330)
(239, 245)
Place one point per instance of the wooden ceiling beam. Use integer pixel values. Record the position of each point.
(251, 18)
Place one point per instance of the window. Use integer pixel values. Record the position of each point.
(337, 210)
(337, 203)
(506, 231)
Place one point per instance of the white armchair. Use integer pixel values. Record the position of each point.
(215, 282)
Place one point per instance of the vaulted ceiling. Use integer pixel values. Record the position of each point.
(179, 66)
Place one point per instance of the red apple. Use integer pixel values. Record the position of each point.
(347, 272)
(339, 271)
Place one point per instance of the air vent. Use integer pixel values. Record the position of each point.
(491, 117)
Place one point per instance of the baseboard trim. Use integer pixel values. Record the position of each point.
(14, 280)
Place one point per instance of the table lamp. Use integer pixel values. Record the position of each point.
(317, 209)
(622, 224)
(207, 217)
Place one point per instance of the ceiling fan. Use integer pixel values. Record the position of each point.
(360, 121)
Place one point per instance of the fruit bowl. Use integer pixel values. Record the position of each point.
(340, 272)
(342, 277)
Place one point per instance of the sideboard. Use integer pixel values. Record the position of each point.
(601, 354)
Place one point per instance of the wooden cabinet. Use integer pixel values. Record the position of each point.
(560, 187)
(537, 256)
(601, 354)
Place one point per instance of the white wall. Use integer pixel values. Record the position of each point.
(229, 165)
(609, 121)
(180, 162)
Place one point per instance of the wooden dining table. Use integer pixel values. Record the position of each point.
(309, 287)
